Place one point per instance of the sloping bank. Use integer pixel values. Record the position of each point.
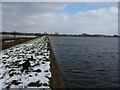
(42, 73)
(57, 78)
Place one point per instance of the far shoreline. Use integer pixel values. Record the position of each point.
(14, 34)
(85, 36)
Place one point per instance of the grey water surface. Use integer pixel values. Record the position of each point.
(87, 62)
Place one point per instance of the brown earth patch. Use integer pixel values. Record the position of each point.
(5, 45)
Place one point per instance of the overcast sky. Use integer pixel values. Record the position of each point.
(61, 17)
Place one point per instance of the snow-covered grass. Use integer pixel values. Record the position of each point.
(12, 58)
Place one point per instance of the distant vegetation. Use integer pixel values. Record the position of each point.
(57, 34)
(20, 33)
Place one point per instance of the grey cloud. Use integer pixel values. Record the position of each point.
(26, 8)
(41, 17)
(17, 13)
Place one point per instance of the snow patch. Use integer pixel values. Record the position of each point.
(11, 64)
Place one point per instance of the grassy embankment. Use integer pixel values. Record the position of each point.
(12, 59)
(55, 81)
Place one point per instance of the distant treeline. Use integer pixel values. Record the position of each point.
(57, 34)
(20, 33)
(85, 35)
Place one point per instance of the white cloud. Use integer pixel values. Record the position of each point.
(41, 17)
(103, 21)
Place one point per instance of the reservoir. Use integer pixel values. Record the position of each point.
(87, 62)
